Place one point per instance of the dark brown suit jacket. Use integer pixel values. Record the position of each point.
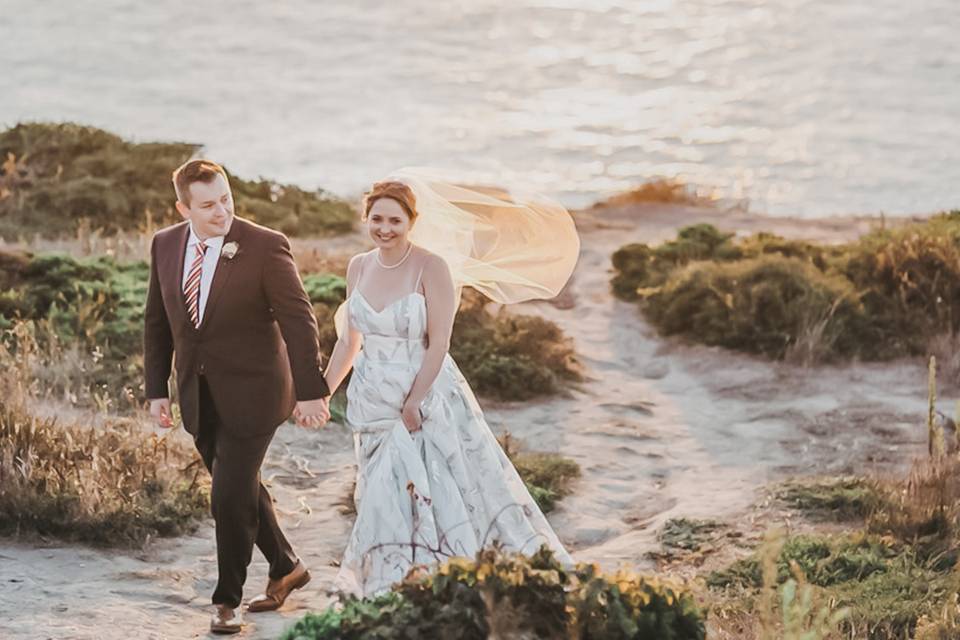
(257, 343)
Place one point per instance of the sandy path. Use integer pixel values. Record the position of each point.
(661, 430)
(664, 430)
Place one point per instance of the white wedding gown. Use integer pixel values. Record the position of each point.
(446, 490)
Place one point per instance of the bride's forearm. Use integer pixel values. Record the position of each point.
(341, 361)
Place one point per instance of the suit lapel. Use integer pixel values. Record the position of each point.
(181, 257)
(222, 274)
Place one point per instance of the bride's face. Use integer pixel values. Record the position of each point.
(388, 224)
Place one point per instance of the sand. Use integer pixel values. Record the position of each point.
(661, 430)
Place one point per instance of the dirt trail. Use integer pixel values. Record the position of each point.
(661, 430)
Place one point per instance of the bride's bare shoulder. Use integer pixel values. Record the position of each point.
(435, 268)
(429, 259)
(355, 264)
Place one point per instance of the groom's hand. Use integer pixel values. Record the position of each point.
(160, 410)
(312, 413)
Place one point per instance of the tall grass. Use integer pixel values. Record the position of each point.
(109, 483)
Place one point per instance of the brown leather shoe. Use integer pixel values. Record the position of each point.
(226, 620)
(278, 590)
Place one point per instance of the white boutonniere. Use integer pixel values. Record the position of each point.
(229, 250)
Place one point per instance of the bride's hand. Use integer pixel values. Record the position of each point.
(412, 419)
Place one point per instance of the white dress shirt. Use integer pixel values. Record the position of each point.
(210, 260)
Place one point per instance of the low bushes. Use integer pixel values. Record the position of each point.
(57, 177)
(511, 357)
(894, 575)
(88, 314)
(111, 484)
(512, 596)
(891, 293)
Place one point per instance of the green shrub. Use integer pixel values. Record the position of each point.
(325, 288)
(641, 267)
(511, 357)
(547, 476)
(758, 305)
(909, 285)
(890, 293)
(94, 306)
(834, 498)
(628, 606)
(512, 596)
(885, 586)
(58, 175)
(327, 292)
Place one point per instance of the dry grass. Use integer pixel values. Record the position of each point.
(945, 347)
(548, 476)
(106, 484)
(662, 191)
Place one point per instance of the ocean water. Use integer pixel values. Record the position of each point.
(804, 107)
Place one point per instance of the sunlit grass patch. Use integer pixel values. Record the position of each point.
(498, 595)
(548, 476)
(109, 484)
(112, 485)
(841, 499)
(661, 191)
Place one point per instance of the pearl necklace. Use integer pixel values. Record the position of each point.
(402, 260)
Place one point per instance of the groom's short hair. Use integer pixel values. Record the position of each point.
(194, 171)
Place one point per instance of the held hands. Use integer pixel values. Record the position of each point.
(160, 410)
(412, 417)
(312, 414)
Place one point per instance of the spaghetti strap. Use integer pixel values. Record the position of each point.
(416, 287)
(360, 268)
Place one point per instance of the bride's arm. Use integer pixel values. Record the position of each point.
(349, 343)
(441, 308)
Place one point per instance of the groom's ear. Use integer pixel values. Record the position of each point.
(183, 209)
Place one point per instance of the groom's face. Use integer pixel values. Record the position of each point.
(210, 209)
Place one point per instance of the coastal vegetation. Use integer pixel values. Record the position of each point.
(500, 595)
(107, 484)
(877, 560)
(58, 178)
(893, 292)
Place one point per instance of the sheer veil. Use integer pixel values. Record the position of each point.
(508, 244)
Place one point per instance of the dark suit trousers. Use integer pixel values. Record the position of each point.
(242, 508)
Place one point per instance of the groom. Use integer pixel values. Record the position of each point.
(225, 297)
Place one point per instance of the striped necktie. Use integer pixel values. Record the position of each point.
(191, 288)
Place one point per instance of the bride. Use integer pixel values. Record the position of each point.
(432, 481)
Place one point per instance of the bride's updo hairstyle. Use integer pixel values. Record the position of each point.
(394, 190)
